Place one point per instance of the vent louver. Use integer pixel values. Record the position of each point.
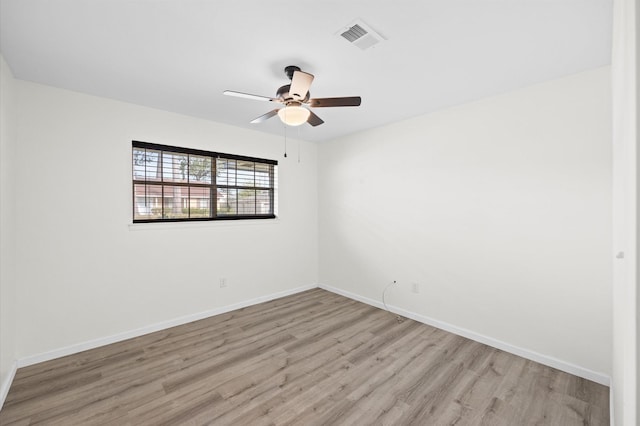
(361, 35)
(354, 33)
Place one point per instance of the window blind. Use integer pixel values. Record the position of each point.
(173, 184)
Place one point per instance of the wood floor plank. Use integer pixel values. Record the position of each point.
(313, 358)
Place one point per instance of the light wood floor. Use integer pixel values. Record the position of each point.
(309, 359)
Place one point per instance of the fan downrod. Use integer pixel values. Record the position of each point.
(289, 70)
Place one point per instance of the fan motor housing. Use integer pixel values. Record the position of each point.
(283, 94)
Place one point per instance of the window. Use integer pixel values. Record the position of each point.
(173, 184)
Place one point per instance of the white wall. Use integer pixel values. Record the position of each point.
(85, 273)
(625, 213)
(7, 231)
(499, 209)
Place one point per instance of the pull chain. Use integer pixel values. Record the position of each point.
(285, 140)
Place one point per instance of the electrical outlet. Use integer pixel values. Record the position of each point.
(223, 282)
(415, 287)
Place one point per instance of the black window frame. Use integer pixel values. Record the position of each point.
(213, 185)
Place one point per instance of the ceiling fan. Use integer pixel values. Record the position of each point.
(293, 96)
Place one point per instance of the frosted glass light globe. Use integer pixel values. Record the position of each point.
(294, 115)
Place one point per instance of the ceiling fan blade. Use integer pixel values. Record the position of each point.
(335, 102)
(314, 120)
(300, 84)
(265, 117)
(249, 96)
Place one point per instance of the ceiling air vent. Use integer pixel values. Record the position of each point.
(360, 35)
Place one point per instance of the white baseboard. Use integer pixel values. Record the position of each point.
(567, 367)
(92, 344)
(6, 383)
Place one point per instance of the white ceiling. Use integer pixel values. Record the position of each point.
(180, 55)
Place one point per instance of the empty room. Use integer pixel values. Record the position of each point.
(318, 213)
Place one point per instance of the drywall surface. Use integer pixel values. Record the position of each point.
(86, 272)
(624, 67)
(499, 211)
(8, 313)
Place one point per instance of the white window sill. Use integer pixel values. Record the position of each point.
(161, 226)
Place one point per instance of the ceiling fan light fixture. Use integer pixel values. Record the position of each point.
(294, 115)
(293, 96)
